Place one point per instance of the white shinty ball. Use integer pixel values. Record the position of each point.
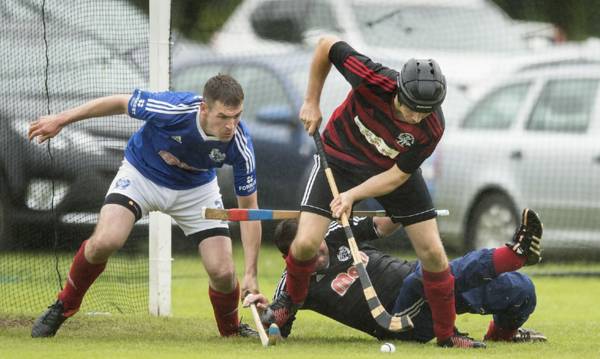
(387, 348)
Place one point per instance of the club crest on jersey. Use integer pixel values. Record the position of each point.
(405, 139)
(122, 183)
(343, 254)
(216, 155)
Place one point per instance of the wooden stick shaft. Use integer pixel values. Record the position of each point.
(381, 316)
(264, 339)
(243, 214)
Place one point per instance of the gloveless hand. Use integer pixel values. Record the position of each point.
(45, 128)
(342, 204)
(311, 117)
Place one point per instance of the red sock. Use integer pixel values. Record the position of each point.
(225, 307)
(439, 291)
(499, 334)
(298, 277)
(505, 260)
(81, 276)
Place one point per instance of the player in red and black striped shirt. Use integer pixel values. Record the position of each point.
(375, 142)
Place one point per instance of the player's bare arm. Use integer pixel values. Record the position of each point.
(310, 112)
(375, 186)
(46, 127)
(251, 232)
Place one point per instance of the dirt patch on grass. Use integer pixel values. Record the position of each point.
(11, 322)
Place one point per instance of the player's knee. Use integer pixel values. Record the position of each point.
(222, 278)
(433, 258)
(526, 291)
(516, 292)
(304, 248)
(101, 246)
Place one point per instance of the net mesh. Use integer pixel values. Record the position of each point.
(56, 55)
(522, 118)
(521, 110)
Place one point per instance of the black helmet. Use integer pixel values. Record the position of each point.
(421, 85)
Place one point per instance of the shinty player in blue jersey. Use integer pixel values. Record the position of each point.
(169, 166)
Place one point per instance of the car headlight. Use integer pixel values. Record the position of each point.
(40, 195)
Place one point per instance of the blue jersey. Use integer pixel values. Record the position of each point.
(172, 150)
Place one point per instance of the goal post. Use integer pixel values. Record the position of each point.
(159, 264)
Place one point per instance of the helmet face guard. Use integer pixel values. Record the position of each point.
(421, 85)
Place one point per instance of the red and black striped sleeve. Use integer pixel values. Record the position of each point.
(359, 70)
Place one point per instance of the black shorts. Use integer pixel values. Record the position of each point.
(407, 204)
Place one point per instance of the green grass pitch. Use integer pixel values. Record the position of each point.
(567, 313)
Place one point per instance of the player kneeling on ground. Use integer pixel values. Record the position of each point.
(486, 283)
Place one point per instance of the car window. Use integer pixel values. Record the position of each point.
(263, 92)
(565, 106)
(290, 20)
(320, 16)
(439, 27)
(193, 78)
(499, 109)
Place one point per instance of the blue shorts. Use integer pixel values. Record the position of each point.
(509, 297)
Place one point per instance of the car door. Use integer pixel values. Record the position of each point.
(559, 158)
(474, 161)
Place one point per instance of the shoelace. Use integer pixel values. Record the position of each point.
(523, 334)
(462, 334)
(52, 314)
(461, 342)
(245, 328)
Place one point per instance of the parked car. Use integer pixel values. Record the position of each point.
(531, 140)
(274, 86)
(471, 39)
(467, 25)
(63, 181)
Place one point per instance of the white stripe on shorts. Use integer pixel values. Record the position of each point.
(313, 174)
(413, 310)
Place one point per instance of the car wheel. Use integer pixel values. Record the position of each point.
(492, 222)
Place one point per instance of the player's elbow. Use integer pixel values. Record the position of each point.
(250, 201)
(326, 42)
(123, 102)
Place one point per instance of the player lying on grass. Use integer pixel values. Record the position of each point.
(486, 283)
(169, 166)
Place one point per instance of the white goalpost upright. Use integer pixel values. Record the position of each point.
(160, 224)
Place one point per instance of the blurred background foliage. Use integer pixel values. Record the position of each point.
(572, 16)
(199, 19)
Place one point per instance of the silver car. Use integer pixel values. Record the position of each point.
(531, 140)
